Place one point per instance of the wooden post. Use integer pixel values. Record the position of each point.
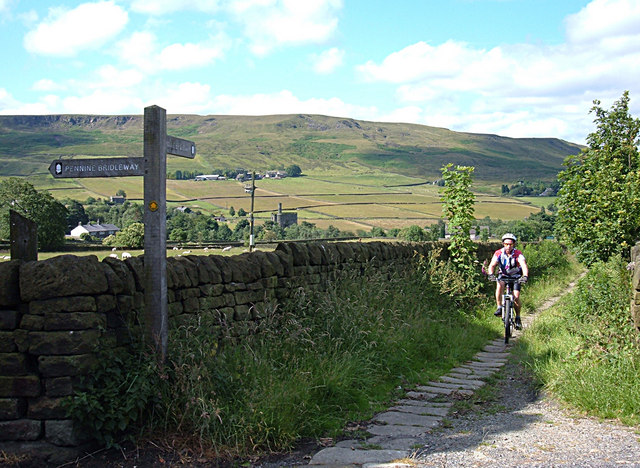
(155, 228)
(252, 242)
(24, 237)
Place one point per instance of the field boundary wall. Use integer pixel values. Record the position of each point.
(55, 314)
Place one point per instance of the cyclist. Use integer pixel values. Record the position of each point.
(512, 263)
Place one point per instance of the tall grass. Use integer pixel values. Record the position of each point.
(586, 349)
(323, 360)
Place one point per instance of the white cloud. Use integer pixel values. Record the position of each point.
(162, 7)
(184, 98)
(46, 84)
(102, 101)
(285, 102)
(602, 20)
(180, 56)
(328, 60)
(142, 51)
(66, 32)
(271, 23)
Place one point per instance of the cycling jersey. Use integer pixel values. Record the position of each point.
(509, 264)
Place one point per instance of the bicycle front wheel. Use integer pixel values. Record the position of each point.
(507, 320)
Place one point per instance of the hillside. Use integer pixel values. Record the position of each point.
(314, 142)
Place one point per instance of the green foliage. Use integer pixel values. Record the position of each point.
(318, 362)
(412, 234)
(40, 207)
(131, 237)
(293, 170)
(599, 201)
(116, 396)
(587, 350)
(458, 208)
(545, 258)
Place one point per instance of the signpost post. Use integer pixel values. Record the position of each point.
(153, 166)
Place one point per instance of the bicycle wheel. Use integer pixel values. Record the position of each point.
(507, 320)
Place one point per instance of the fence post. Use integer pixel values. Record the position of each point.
(24, 237)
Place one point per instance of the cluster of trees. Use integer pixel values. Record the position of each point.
(292, 171)
(49, 214)
(523, 188)
(599, 201)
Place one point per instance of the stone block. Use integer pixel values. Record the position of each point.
(14, 364)
(242, 313)
(12, 408)
(44, 407)
(10, 281)
(63, 342)
(119, 276)
(136, 267)
(61, 276)
(7, 341)
(58, 386)
(191, 305)
(63, 304)
(63, 433)
(32, 322)
(19, 386)
(59, 366)
(20, 429)
(175, 308)
(106, 303)
(9, 319)
(74, 321)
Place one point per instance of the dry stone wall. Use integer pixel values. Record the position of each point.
(55, 314)
(635, 285)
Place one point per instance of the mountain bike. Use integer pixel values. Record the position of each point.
(508, 309)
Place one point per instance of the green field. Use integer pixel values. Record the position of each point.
(348, 202)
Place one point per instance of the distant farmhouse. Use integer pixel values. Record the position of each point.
(118, 200)
(96, 230)
(210, 177)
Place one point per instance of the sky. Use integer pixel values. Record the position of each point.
(516, 68)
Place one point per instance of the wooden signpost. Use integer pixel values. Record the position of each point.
(153, 166)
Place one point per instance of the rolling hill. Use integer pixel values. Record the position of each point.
(316, 143)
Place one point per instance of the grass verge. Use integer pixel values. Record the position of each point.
(585, 350)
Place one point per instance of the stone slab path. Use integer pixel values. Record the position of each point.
(399, 433)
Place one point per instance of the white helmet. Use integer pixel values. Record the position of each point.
(508, 235)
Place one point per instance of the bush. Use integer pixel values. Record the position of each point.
(545, 258)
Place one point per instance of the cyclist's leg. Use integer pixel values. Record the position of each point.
(499, 291)
(517, 305)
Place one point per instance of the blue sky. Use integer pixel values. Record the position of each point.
(519, 68)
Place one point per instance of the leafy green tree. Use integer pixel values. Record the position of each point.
(412, 233)
(232, 211)
(242, 213)
(75, 213)
(458, 207)
(599, 200)
(293, 171)
(121, 193)
(40, 207)
(131, 237)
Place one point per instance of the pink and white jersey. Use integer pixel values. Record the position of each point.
(509, 264)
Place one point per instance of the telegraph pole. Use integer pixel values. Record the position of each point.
(253, 191)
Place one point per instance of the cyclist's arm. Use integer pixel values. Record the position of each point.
(523, 265)
(492, 265)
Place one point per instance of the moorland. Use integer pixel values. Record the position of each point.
(355, 174)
